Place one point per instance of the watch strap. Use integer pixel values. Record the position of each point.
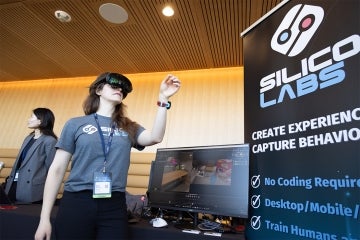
(164, 104)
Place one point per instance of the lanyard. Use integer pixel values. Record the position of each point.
(106, 148)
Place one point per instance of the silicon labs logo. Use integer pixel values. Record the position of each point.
(296, 29)
(321, 69)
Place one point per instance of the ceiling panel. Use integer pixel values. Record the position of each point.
(203, 34)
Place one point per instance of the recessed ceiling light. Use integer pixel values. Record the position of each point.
(168, 11)
(62, 16)
(113, 13)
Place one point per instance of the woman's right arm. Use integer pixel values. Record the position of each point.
(53, 182)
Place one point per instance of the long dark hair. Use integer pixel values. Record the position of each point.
(119, 116)
(47, 119)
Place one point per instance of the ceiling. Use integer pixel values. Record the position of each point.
(202, 34)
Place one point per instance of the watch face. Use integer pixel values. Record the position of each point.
(168, 105)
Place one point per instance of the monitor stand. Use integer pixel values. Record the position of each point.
(182, 223)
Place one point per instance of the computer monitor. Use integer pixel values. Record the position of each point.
(206, 179)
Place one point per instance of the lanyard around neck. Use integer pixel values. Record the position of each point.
(106, 148)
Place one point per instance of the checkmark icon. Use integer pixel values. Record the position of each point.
(255, 181)
(255, 222)
(255, 201)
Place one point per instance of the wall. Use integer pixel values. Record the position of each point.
(209, 109)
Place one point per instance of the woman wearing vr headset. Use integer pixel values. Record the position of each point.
(98, 144)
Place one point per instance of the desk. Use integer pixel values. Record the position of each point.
(144, 231)
(21, 223)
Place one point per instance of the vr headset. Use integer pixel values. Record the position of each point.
(116, 80)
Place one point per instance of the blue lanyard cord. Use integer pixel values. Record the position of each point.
(106, 148)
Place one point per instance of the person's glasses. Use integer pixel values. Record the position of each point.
(119, 81)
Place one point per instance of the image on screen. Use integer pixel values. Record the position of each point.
(212, 179)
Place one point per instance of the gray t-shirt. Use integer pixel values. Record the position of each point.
(81, 138)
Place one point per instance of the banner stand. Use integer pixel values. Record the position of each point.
(302, 121)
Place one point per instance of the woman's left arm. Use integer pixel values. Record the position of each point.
(169, 86)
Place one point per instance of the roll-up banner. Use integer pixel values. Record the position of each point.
(302, 120)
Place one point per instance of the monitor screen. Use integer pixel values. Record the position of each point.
(208, 179)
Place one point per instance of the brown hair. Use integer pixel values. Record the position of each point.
(92, 102)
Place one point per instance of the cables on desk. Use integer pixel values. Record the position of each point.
(207, 225)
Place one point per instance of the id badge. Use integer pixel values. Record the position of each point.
(102, 185)
(16, 176)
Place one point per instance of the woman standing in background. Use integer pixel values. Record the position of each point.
(26, 181)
